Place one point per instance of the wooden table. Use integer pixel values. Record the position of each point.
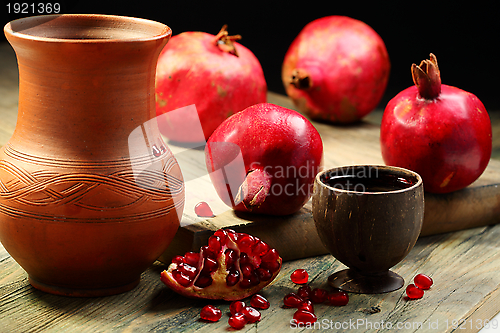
(463, 264)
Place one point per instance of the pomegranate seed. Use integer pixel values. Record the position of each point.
(292, 300)
(231, 257)
(244, 259)
(414, 292)
(246, 241)
(251, 281)
(202, 209)
(178, 260)
(252, 315)
(318, 295)
(260, 248)
(299, 276)
(272, 266)
(263, 274)
(182, 279)
(233, 235)
(210, 313)
(192, 258)
(207, 253)
(423, 281)
(209, 265)
(203, 281)
(304, 317)
(304, 292)
(270, 256)
(338, 298)
(237, 321)
(222, 234)
(259, 302)
(214, 244)
(306, 305)
(246, 270)
(232, 278)
(236, 306)
(187, 270)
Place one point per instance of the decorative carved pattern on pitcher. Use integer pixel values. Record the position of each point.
(47, 187)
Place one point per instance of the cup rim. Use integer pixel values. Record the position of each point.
(387, 167)
(15, 28)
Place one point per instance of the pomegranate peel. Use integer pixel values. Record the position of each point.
(336, 69)
(202, 79)
(281, 153)
(439, 131)
(228, 271)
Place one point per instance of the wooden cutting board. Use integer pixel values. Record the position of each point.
(295, 236)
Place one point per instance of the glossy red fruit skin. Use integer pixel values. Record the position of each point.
(251, 314)
(413, 292)
(210, 313)
(192, 69)
(423, 281)
(299, 276)
(304, 317)
(338, 298)
(318, 295)
(292, 300)
(202, 209)
(282, 153)
(348, 66)
(259, 302)
(306, 305)
(237, 321)
(446, 139)
(236, 307)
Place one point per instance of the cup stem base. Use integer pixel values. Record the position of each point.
(351, 281)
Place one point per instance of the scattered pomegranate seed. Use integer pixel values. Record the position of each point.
(304, 292)
(252, 315)
(236, 307)
(318, 295)
(414, 292)
(237, 321)
(202, 209)
(338, 298)
(299, 276)
(306, 305)
(304, 317)
(259, 302)
(292, 300)
(423, 281)
(210, 313)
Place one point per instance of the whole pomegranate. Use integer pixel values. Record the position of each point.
(281, 153)
(336, 69)
(441, 132)
(215, 73)
(232, 266)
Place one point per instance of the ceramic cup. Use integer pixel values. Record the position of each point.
(369, 218)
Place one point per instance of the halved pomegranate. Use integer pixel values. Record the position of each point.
(233, 265)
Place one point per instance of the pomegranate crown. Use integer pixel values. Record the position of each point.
(427, 78)
(225, 42)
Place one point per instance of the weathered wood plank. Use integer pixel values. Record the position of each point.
(464, 266)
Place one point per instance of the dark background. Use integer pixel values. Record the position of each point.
(465, 38)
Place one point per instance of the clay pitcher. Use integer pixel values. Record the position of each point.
(90, 195)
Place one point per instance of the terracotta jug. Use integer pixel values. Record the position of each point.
(90, 195)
